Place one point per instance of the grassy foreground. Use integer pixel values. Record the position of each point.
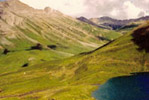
(77, 77)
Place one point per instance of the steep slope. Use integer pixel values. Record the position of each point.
(116, 24)
(21, 22)
(29, 26)
(23, 29)
(76, 77)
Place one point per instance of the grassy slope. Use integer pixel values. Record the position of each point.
(69, 35)
(66, 46)
(76, 77)
(24, 27)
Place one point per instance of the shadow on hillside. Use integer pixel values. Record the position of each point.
(141, 38)
(140, 73)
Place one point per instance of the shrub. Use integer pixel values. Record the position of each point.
(37, 47)
(25, 65)
(6, 51)
(52, 46)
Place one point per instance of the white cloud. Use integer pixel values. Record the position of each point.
(131, 10)
(114, 12)
(121, 9)
(70, 7)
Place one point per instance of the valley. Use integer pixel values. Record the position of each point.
(59, 35)
(46, 55)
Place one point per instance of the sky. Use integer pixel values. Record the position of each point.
(120, 9)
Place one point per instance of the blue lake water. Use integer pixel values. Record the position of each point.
(135, 87)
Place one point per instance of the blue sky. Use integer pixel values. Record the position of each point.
(121, 9)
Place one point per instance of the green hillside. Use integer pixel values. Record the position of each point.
(77, 77)
(60, 36)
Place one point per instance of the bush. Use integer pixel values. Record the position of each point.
(52, 46)
(25, 65)
(6, 51)
(37, 47)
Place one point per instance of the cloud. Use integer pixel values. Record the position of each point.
(120, 9)
(141, 14)
(131, 10)
(70, 7)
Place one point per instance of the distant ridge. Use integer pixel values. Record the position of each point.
(115, 23)
(83, 19)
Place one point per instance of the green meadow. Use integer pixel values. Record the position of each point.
(73, 78)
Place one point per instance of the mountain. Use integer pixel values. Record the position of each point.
(35, 42)
(83, 19)
(32, 36)
(116, 24)
(77, 77)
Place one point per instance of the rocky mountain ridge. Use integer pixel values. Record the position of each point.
(115, 23)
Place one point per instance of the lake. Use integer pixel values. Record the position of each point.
(134, 87)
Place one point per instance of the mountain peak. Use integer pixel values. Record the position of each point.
(106, 18)
(82, 17)
(10, 1)
(48, 10)
(13, 5)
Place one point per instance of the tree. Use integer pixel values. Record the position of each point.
(38, 47)
(6, 51)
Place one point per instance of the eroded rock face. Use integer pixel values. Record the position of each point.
(11, 19)
(2, 0)
(7, 13)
